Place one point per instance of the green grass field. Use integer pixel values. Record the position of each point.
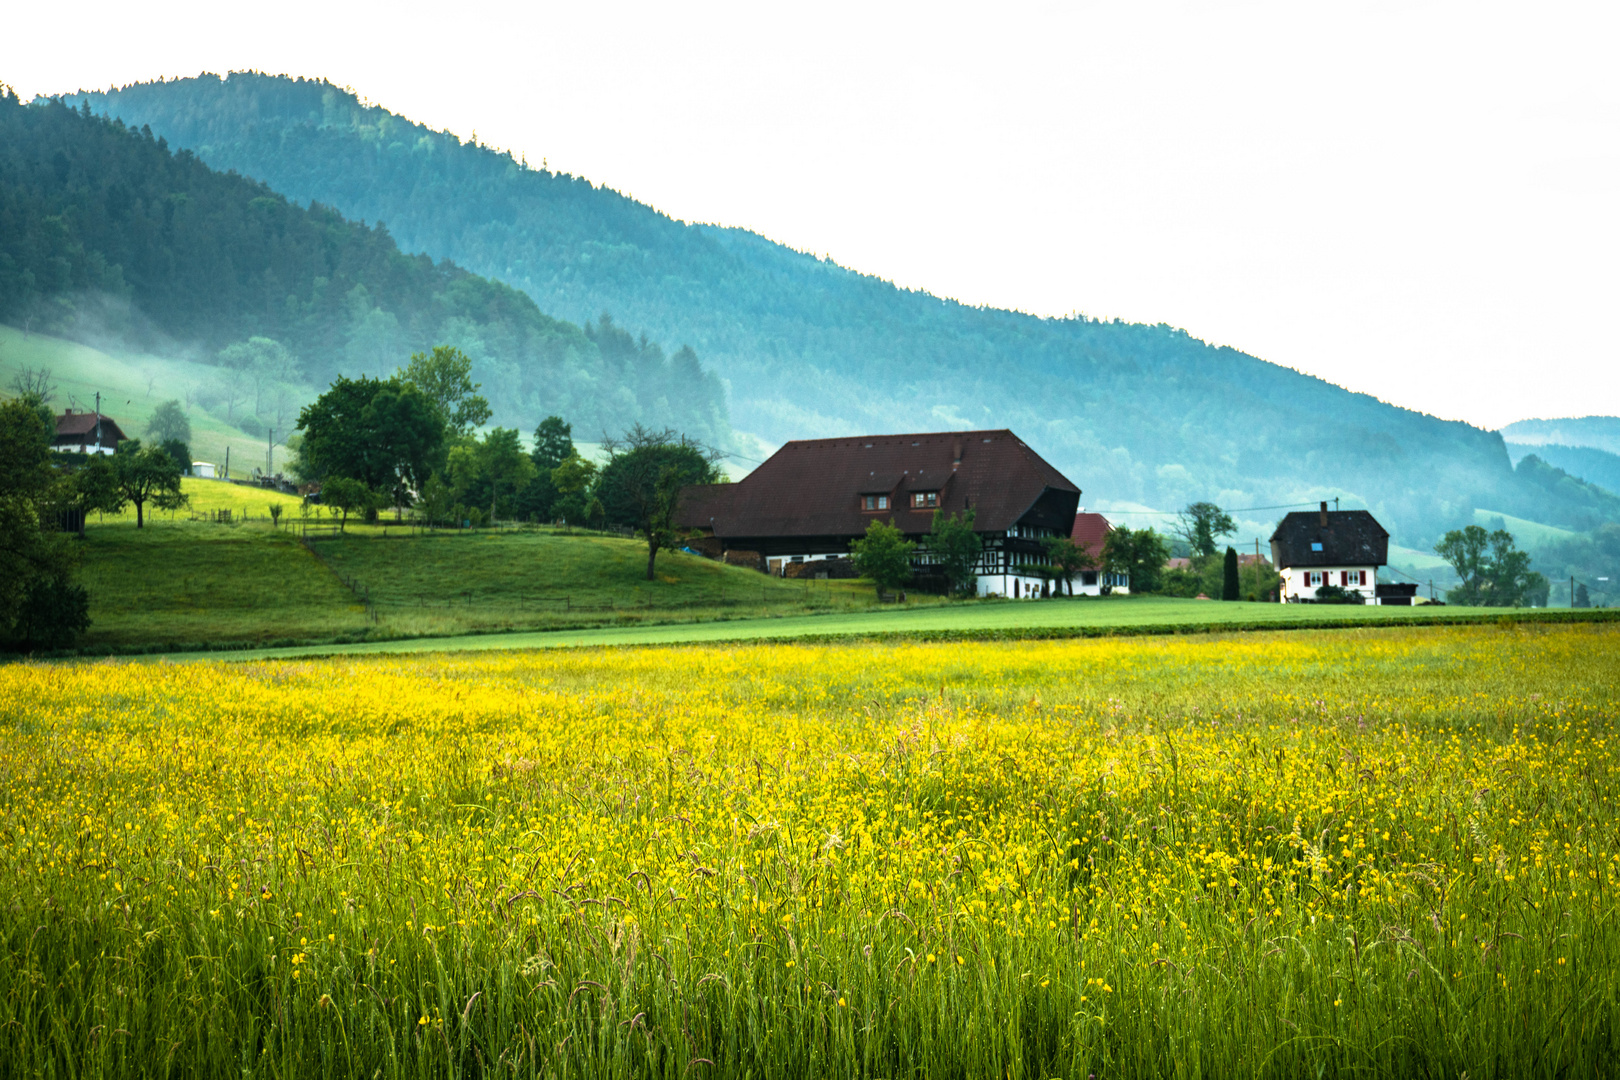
(964, 617)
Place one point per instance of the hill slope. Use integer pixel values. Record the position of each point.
(1133, 413)
(1597, 432)
(103, 230)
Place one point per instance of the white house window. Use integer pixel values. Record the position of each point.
(1313, 578)
(920, 499)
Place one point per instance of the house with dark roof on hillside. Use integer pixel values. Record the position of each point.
(1090, 534)
(1341, 548)
(813, 497)
(87, 433)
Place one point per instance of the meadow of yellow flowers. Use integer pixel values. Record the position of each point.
(1368, 852)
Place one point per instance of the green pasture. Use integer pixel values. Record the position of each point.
(198, 584)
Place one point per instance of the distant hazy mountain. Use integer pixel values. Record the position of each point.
(1133, 413)
(1596, 466)
(1598, 432)
(104, 230)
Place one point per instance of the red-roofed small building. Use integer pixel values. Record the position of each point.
(87, 433)
(1090, 534)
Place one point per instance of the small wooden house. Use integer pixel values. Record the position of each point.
(87, 433)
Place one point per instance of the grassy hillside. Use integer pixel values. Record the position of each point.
(196, 583)
(1137, 414)
(131, 385)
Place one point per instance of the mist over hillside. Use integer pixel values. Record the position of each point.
(1597, 432)
(1136, 414)
(107, 235)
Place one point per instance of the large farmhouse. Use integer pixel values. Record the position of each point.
(87, 433)
(1341, 548)
(814, 496)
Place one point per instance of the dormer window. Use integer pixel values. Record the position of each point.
(874, 502)
(922, 500)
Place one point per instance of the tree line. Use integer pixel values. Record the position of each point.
(409, 442)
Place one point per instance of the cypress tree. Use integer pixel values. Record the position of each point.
(1229, 587)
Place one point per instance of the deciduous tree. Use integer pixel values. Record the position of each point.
(445, 377)
(955, 547)
(1068, 559)
(386, 434)
(1139, 553)
(1201, 524)
(147, 474)
(640, 486)
(883, 555)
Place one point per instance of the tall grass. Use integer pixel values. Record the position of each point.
(1378, 852)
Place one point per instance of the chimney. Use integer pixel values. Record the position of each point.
(1324, 514)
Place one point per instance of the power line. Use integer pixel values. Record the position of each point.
(1239, 510)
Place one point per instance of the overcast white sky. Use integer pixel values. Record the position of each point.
(1417, 200)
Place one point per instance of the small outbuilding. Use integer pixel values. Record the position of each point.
(1339, 548)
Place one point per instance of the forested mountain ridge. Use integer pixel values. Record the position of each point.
(1133, 413)
(100, 221)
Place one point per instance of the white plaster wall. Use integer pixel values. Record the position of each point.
(1293, 582)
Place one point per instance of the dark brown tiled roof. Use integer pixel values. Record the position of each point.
(81, 427)
(1346, 538)
(813, 487)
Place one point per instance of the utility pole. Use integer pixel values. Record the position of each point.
(1335, 504)
(227, 461)
(269, 452)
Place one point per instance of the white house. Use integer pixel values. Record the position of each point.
(1342, 548)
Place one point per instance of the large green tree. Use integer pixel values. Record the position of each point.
(146, 475)
(1491, 570)
(445, 377)
(640, 486)
(1201, 524)
(1139, 553)
(883, 555)
(1068, 559)
(169, 423)
(40, 605)
(384, 433)
(955, 549)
